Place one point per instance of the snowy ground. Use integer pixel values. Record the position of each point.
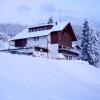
(28, 78)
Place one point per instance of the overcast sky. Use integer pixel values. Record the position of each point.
(35, 11)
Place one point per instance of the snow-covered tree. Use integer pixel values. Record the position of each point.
(95, 46)
(50, 20)
(89, 45)
(11, 29)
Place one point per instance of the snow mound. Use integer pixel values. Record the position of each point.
(34, 78)
(60, 56)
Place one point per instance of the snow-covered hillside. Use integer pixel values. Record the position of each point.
(33, 78)
(7, 31)
(10, 29)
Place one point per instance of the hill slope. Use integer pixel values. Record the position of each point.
(28, 78)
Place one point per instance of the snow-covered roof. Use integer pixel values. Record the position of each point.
(27, 34)
(39, 25)
(59, 26)
(73, 50)
(60, 56)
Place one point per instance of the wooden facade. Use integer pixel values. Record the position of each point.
(20, 43)
(54, 37)
(64, 38)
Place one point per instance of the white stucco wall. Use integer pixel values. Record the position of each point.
(54, 50)
(1, 41)
(42, 42)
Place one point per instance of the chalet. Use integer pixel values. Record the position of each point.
(46, 40)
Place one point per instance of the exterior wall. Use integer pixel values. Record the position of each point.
(54, 37)
(21, 43)
(54, 50)
(1, 42)
(37, 53)
(44, 42)
(70, 30)
(41, 42)
(65, 39)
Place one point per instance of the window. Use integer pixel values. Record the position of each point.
(45, 28)
(34, 29)
(37, 38)
(60, 46)
(41, 28)
(70, 57)
(34, 38)
(30, 30)
(38, 29)
(67, 57)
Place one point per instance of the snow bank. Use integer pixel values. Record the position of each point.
(28, 78)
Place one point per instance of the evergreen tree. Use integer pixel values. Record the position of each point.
(89, 45)
(95, 47)
(50, 20)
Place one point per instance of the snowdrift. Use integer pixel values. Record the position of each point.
(34, 78)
